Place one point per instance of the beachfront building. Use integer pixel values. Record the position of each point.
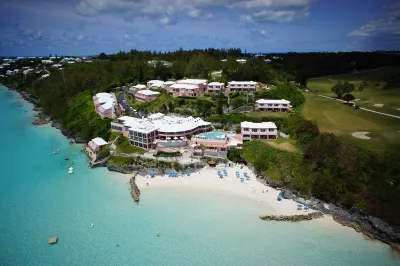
(215, 87)
(106, 105)
(264, 130)
(273, 105)
(214, 143)
(94, 147)
(184, 90)
(159, 131)
(155, 84)
(243, 86)
(200, 83)
(146, 95)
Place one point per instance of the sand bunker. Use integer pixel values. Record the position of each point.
(378, 105)
(361, 135)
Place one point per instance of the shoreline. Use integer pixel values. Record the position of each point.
(371, 227)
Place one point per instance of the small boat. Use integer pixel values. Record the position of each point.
(71, 170)
(66, 159)
(91, 225)
(157, 234)
(68, 166)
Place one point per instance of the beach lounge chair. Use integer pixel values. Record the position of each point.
(299, 207)
(279, 198)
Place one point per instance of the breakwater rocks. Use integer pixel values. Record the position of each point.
(135, 191)
(293, 218)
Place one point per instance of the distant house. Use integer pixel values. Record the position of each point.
(106, 105)
(47, 62)
(200, 83)
(241, 61)
(10, 72)
(264, 130)
(134, 89)
(184, 90)
(168, 84)
(215, 87)
(273, 105)
(94, 147)
(155, 84)
(243, 86)
(146, 95)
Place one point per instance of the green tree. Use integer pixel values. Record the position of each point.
(348, 97)
(342, 88)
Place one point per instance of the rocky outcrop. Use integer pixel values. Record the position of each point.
(135, 191)
(41, 118)
(123, 169)
(293, 218)
(68, 133)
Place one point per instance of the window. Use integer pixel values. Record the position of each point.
(116, 128)
(271, 130)
(245, 129)
(263, 130)
(254, 130)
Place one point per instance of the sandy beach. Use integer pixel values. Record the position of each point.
(208, 179)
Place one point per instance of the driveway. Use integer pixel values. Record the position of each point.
(121, 100)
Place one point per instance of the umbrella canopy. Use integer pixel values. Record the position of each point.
(176, 138)
(182, 137)
(299, 205)
(168, 138)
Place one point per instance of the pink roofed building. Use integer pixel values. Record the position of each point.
(184, 90)
(146, 95)
(215, 87)
(243, 86)
(94, 147)
(106, 105)
(200, 83)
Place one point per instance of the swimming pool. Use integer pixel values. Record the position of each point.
(213, 135)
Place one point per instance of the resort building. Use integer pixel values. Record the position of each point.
(159, 131)
(155, 84)
(47, 62)
(264, 130)
(241, 61)
(106, 105)
(200, 83)
(243, 86)
(273, 105)
(215, 87)
(184, 90)
(146, 95)
(134, 89)
(94, 146)
(215, 143)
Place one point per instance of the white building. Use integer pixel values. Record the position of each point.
(243, 86)
(47, 62)
(155, 84)
(146, 95)
(106, 104)
(273, 105)
(159, 130)
(215, 87)
(264, 130)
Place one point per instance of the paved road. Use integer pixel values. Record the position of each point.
(362, 108)
(121, 100)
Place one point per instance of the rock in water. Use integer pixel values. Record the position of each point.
(135, 192)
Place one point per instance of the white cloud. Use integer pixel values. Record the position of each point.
(388, 25)
(263, 10)
(165, 20)
(359, 33)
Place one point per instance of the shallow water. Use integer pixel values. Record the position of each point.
(38, 200)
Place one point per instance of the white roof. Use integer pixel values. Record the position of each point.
(192, 81)
(155, 82)
(257, 125)
(148, 92)
(140, 86)
(184, 86)
(99, 141)
(106, 100)
(162, 123)
(169, 82)
(283, 101)
(242, 82)
(216, 83)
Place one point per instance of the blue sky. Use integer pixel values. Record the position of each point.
(86, 27)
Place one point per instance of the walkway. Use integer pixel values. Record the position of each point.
(361, 108)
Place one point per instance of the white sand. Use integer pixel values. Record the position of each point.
(361, 135)
(378, 105)
(208, 179)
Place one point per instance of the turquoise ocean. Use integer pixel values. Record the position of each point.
(39, 199)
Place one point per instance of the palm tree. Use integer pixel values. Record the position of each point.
(202, 148)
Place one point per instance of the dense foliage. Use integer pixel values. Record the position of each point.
(287, 91)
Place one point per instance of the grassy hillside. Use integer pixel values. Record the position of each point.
(376, 88)
(342, 120)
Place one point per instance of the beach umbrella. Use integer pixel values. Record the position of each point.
(182, 137)
(176, 138)
(299, 205)
(168, 138)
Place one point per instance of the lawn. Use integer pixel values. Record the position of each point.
(260, 114)
(343, 120)
(373, 93)
(283, 144)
